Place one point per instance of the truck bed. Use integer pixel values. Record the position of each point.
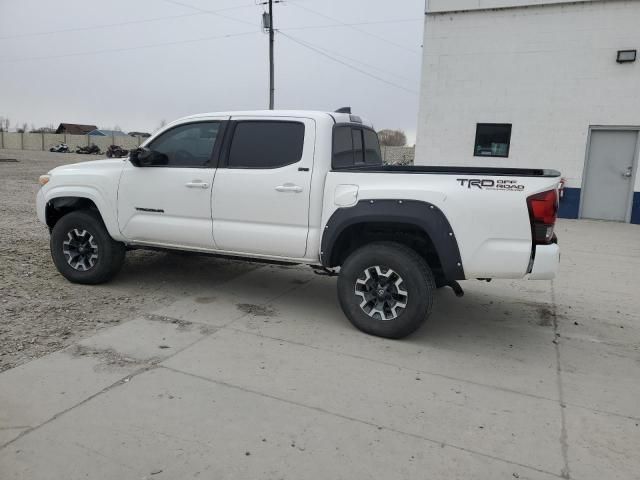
(446, 170)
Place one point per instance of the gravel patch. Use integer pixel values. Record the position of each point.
(40, 311)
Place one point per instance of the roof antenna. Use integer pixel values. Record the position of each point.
(343, 110)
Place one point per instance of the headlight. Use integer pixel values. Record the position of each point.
(44, 179)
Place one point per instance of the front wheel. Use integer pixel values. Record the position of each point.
(386, 289)
(82, 249)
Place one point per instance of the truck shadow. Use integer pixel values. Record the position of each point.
(177, 271)
(509, 315)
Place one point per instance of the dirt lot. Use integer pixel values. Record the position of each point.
(41, 312)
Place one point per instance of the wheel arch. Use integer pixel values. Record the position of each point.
(61, 202)
(419, 225)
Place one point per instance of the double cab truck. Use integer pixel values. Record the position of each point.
(305, 187)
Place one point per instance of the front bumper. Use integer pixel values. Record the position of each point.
(546, 262)
(41, 206)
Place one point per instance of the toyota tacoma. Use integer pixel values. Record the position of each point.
(304, 187)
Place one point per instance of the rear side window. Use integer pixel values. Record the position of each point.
(266, 144)
(355, 146)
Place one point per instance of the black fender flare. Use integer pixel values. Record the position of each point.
(424, 215)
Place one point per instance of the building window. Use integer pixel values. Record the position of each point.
(492, 140)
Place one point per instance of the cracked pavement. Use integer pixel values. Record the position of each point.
(260, 375)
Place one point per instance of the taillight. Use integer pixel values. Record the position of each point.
(543, 209)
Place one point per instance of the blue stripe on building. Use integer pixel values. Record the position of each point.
(570, 205)
(635, 208)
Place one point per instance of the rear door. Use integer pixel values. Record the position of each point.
(261, 191)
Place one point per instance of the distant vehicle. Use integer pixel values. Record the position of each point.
(60, 148)
(92, 149)
(310, 188)
(117, 151)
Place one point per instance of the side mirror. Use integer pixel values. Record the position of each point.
(145, 157)
(134, 157)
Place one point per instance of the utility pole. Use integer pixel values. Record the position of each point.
(267, 24)
(271, 86)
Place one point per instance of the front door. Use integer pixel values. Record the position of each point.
(261, 190)
(608, 183)
(169, 203)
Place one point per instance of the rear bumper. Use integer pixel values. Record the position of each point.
(546, 263)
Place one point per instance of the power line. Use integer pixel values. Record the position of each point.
(212, 12)
(118, 24)
(344, 24)
(333, 25)
(357, 69)
(368, 65)
(199, 11)
(125, 49)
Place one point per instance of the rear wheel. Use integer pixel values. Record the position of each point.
(386, 289)
(82, 249)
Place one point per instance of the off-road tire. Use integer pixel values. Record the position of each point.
(417, 281)
(110, 253)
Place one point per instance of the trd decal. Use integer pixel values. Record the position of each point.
(488, 184)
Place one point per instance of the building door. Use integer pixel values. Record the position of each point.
(608, 176)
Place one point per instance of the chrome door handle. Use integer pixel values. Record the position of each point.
(196, 185)
(627, 174)
(289, 187)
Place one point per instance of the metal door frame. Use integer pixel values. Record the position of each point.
(634, 164)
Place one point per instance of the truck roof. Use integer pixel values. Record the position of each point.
(314, 114)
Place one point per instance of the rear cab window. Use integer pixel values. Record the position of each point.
(355, 145)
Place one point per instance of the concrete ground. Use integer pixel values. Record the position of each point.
(260, 376)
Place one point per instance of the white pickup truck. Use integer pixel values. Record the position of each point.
(305, 187)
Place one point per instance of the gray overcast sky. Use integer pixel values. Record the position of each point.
(163, 59)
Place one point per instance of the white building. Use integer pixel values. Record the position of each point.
(537, 83)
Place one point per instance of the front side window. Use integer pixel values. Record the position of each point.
(492, 140)
(266, 144)
(189, 145)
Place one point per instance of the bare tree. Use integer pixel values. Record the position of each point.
(4, 124)
(48, 129)
(23, 128)
(116, 128)
(392, 138)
